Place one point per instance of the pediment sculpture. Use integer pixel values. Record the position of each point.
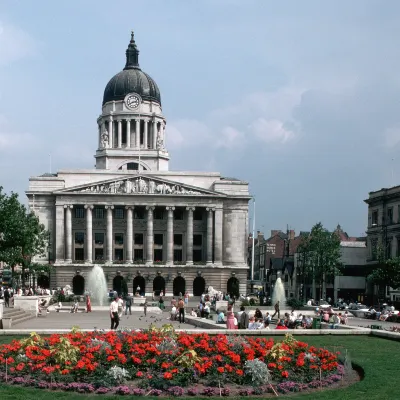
(138, 186)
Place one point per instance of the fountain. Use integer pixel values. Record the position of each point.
(279, 293)
(97, 286)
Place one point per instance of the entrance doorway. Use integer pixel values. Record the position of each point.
(199, 286)
(139, 282)
(179, 286)
(233, 287)
(158, 285)
(78, 285)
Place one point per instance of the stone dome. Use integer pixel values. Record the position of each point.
(131, 80)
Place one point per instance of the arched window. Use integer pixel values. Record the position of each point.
(233, 286)
(158, 285)
(139, 282)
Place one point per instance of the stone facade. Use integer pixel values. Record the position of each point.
(384, 229)
(157, 228)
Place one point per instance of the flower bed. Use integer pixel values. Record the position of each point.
(163, 362)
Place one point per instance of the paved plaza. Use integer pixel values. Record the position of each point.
(99, 319)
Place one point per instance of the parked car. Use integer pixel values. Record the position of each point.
(358, 310)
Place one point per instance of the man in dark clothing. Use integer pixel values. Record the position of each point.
(128, 305)
(277, 310)
(244, 319)
(7, 297)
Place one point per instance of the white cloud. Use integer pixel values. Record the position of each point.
(261, 116)
(230, 138)
(391, 137)
(14, 44)
(271, 131)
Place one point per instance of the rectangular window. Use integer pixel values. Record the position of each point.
(99, 213)
(119, 239)
(197, 240)
(158, 213)
(158, 239)
(198, 215)
(119, 213)
(374, 249)
(79, 212)
(79, 254)
(98, 254)
(158, 255)
(374, 220)
(178, 238)
(178, 255)
(138, 213)
(138, 238)
(99, 238)
(118, 254)
(178, 214)
(138, 255)
(79, 238)
(197, 255)
(390, 215)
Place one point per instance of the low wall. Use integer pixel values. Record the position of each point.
(1, 308)
(29, 304)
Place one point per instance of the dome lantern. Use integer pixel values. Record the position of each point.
(132, 54)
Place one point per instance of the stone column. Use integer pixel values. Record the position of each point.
(145, 144)
(210, 212)
(129, 234)
(99, 135)
(149, 236)
(60, 234)
(170, 235)
(128, 133)
(109, 234)
(189, 236)
(137, 133)
(218, 236)
(164, 136)
(89, 234)
(119, 133)
(154, 144)
(111, 133)
(68, 232)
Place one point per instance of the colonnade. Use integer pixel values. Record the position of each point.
(64, 236)
(152, 130)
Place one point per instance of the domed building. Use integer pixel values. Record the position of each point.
(158, 230)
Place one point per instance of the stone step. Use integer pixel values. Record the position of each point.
(22, 318)
(12, 312)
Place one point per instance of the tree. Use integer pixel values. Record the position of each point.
(22, 236)
(320, 255)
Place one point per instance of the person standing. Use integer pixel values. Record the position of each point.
(277, 310)
(114, 313)
(7, 297)
(88, 304)
(181, 307)
(244, 319)
(128, 305)
(120, 306)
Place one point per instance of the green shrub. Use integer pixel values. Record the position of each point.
(294, 303)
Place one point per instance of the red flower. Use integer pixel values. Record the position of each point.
(221, 370)
(139, 374)
(285, 374)
(239, 372)
(167, 375)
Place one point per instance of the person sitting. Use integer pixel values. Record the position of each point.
(281, 325)
(267, 317)
(42, 306)
(253, 324)
(173, 313)
(257, 313)
(221, 318)
(334, 321)
(265, 326)
(74, 308)
(58, 307)
(193, 313)
(206, 309)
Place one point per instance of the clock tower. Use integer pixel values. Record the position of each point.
(131, 127)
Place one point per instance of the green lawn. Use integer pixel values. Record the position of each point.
(380, 359)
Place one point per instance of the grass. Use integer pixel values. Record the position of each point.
(380, 359)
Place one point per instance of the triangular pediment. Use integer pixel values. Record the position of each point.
(140, 185)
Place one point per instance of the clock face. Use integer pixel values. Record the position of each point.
(132, 101)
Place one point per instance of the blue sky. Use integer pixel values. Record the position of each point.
(301, 99)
